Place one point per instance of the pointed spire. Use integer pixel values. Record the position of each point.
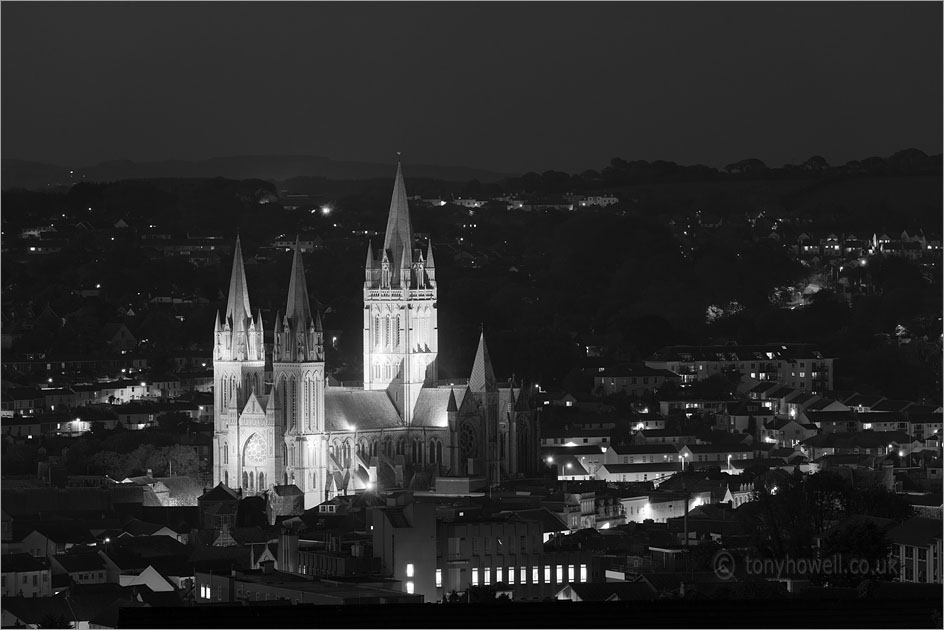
(429, 255)
(398, 239)
(370, 256)
(482, 378)
(237, 307)
(298, 308)
(451, 406)
(318, 326)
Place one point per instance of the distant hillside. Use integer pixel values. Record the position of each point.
(33, 175)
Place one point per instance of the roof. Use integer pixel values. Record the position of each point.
(863, 400)
(432, 405)
(220, 493)
(626, 370)
(891, 405)
(613, 591)
(482, 378)
(655, 433)
(831, 416)
(644, 449)
(916, 532)
(718, 448)
(549, 521)
(764, 386)
(668, 466)
(84, 561)
(347, 408)
(22, 563)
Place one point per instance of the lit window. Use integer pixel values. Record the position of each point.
(475, 577)
(511, 575)
(523, 575)
(487, 572)
(547, 574)
(571, 573)
(409, 588)
(535, 575)
(438, 578)
(560, 574)
(583, 573)
(498, 574)
(409, 570)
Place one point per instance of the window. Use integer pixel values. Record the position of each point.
(547, 574)
(409, 570)
(511, 575)
(438, 578)
(560, 574)
(475, 577)
(583, 573)
(535, 575)
(487, 573)
(498, 574)
(572, 574)
(409, 588)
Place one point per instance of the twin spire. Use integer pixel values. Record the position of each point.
(237, 308)
(298, 308)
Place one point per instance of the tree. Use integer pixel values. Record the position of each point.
(817, 163)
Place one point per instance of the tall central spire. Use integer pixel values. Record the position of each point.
(398, 241)
(237, 308)
(298, 309)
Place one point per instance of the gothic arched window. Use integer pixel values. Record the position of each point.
(397, 345)
(468, 440)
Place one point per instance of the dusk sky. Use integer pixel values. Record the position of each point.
(503, 86)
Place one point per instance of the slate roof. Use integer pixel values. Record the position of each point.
(349, 407)
(644, 449)
(22, 563)
(916, 532)
(661, 467)
(892, 405)
(76, 562)
(432, 405)
(614, 591)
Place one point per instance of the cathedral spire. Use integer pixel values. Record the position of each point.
(237, 308)
(298, 309)
(370, 256)
(482, 378)
(398, 240)
(430, 264)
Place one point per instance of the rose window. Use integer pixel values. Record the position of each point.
(255, 450)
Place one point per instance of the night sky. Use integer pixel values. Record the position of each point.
(508, 87)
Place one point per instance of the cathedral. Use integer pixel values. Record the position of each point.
(277, 422)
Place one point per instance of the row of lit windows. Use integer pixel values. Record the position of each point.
(562, 573)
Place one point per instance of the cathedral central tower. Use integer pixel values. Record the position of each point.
(401, 334)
